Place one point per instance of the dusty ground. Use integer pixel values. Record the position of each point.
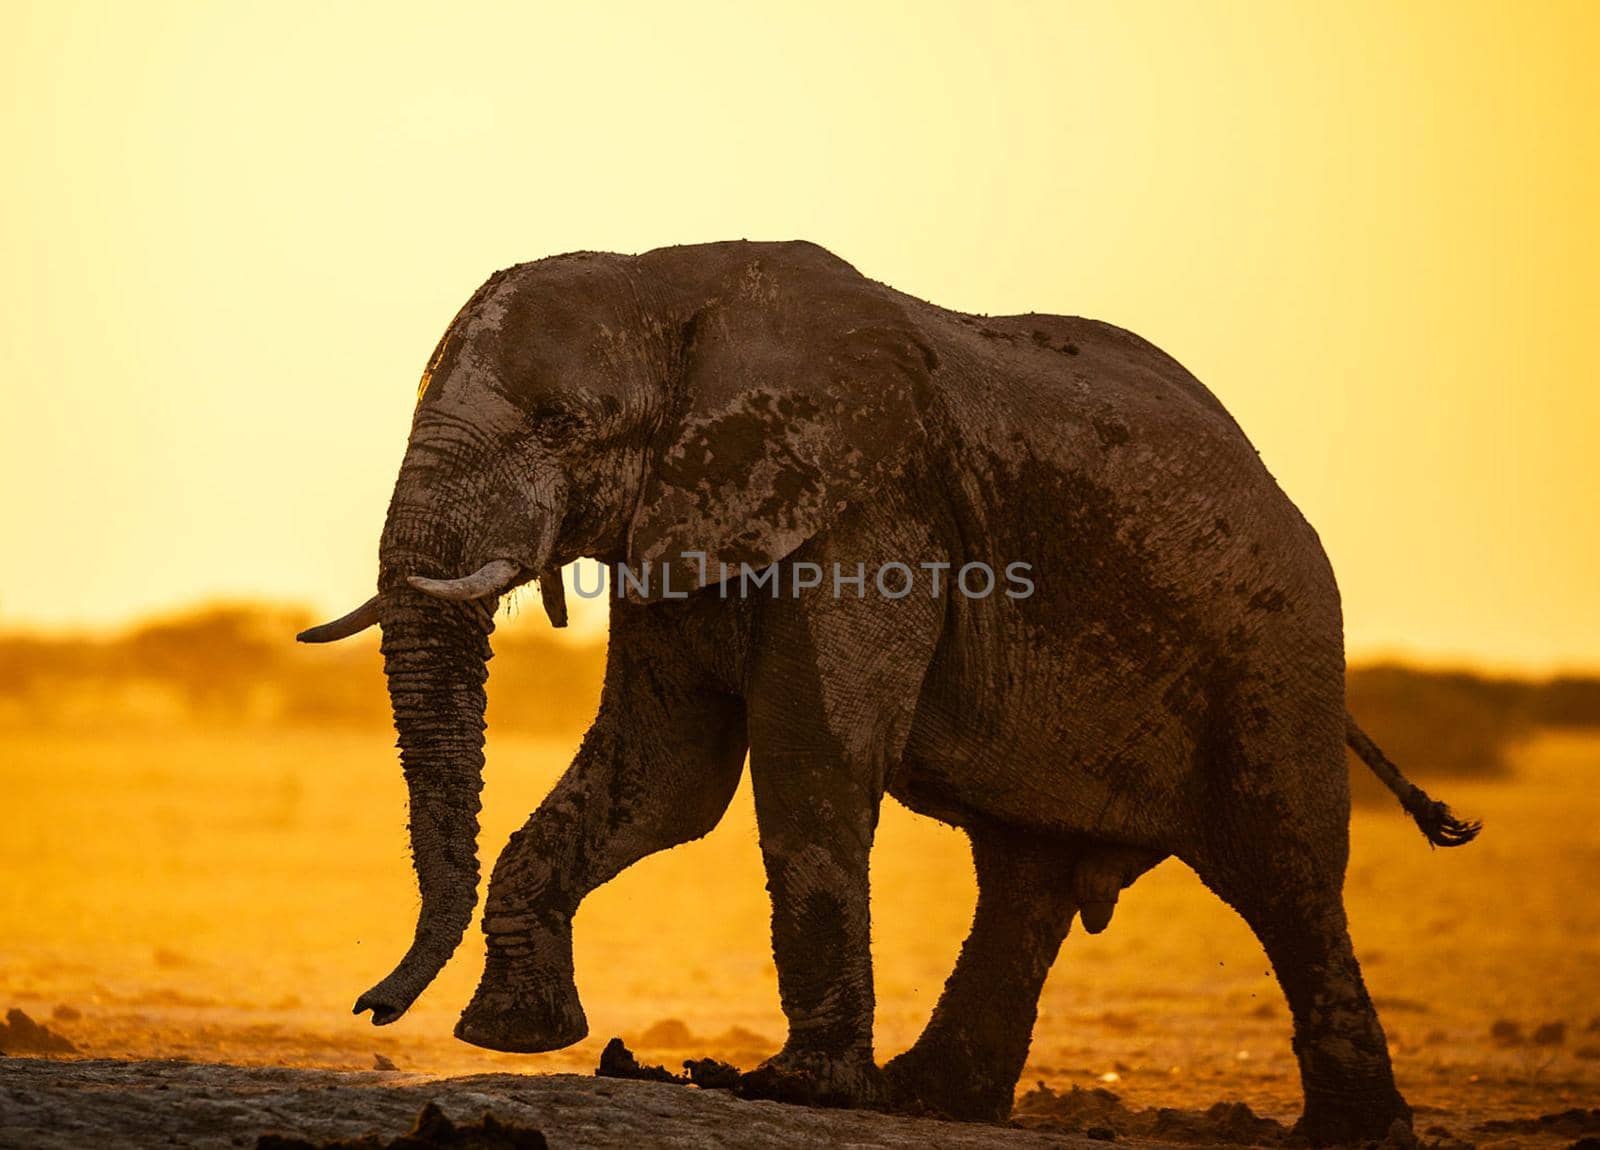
(87, 1102)
(223, 898)
(162, 1103)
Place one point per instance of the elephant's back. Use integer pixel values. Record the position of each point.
(1039, 380)
(1092, 446)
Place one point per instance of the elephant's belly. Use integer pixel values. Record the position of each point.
(1056, 749)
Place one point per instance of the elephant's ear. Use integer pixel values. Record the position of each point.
(801, 389)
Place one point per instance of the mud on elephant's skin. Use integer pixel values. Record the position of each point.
(1175, 686)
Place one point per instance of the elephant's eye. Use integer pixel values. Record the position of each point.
(556, 422)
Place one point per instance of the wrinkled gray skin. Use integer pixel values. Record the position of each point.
(1175, 686)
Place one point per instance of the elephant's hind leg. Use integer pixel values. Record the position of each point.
(658, 768)
(1281, 865)
(1350, 1094)
(968, 1059)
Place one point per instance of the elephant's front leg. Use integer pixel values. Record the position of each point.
(658, 768)
(816, 818)
(832, 695)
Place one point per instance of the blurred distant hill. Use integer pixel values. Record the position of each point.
(238, 664)
(1437, 723)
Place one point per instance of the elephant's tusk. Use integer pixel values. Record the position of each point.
(553, 595)
(343, 627)
(490, 579)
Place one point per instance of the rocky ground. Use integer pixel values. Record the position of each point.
(71, 1103)
(53, 1103)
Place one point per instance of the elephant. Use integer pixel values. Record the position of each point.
(1171, 684)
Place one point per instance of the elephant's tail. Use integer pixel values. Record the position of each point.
(1434, 818)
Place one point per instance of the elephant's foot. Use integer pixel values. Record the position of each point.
(810, 1078)
(934, 1078)
(527, 1001)
(528, 1021)
(1340, 1119)
(524, 1019)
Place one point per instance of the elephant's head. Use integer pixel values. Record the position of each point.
(725, 400)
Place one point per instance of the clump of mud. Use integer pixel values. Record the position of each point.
(1224, 1122)
(431, 1132)
(20, 1034)
(1073, 1112)
(1100, 1112)
(617, 1061)
(709, 1074)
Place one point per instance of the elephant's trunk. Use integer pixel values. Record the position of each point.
(448, 517)
(435, 656)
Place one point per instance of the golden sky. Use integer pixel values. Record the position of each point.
(233, 232)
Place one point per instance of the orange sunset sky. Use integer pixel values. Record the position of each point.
(232, 234)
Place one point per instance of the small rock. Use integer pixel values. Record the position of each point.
(65, 1013)
(379, 1062)
(1101, 1134)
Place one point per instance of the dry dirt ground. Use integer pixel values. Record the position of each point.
(50, 1103)
(98, 1103)
(208, 898)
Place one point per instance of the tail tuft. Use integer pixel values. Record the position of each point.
(1441, 827)
(1434, 818)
